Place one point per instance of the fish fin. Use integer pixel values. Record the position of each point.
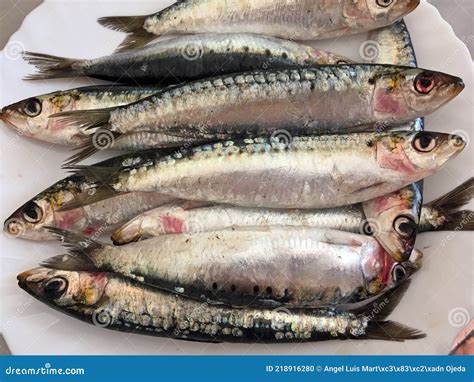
(134, 26)
(78, 262)
(457, 221)
(85, 119)
(381, 306)
(74, 242)
(101, 193)
(448, 207)
(391, 331)
(101, 140)
(53, 66)
(456, 198)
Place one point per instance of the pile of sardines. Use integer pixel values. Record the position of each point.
(272, 191)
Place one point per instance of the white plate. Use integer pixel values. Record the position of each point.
(438, 301)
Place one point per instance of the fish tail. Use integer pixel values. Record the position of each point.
(391, 331)
(133, 26)
(53, 67)
(447, 211)
(84, 119)
(80, 252)
(101, 140)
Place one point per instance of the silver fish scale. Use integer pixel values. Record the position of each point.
(274, 84)
(151, 309)
(324, 143)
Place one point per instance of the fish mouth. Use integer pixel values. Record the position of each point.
(459, 86)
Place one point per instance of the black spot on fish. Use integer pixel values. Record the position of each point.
(246, 48)
(269, 291)
(233, 288)
(370, 143)
(284, 55)
(371, 81)
(214, 286)
(268, 52)
(256, 289)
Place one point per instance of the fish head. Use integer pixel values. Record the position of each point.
(30, 118)
(393, 220)
(403, 95)
(65, 289)
(401, 271)
(381, 271)
(29, 221)
(388, 11)
(416, 155)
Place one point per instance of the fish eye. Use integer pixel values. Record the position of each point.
(32, 213)
(424, 142)
(405, 226)
(424, 83)
(384, 3)
(55, 287)
(399, 273)
(32, 107)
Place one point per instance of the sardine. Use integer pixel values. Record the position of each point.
(311, 172)
(183, 217)
(30, 117)
(46, 208)
(113, 302)
(293, 267)
(186, 58)
(327, 99)
(288, 19)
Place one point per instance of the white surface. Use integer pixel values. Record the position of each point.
(68, 28)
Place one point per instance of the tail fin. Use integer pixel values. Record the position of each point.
(133, 26)
(445, 211)
(52, 66)
(85, 119)
(391, 331)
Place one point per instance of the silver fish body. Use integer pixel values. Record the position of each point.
(185, 58)
(30, 117)
(177, 218)
(294, 267)
(116, 303)
(289, 19)
(312, 172)
(301, 101)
